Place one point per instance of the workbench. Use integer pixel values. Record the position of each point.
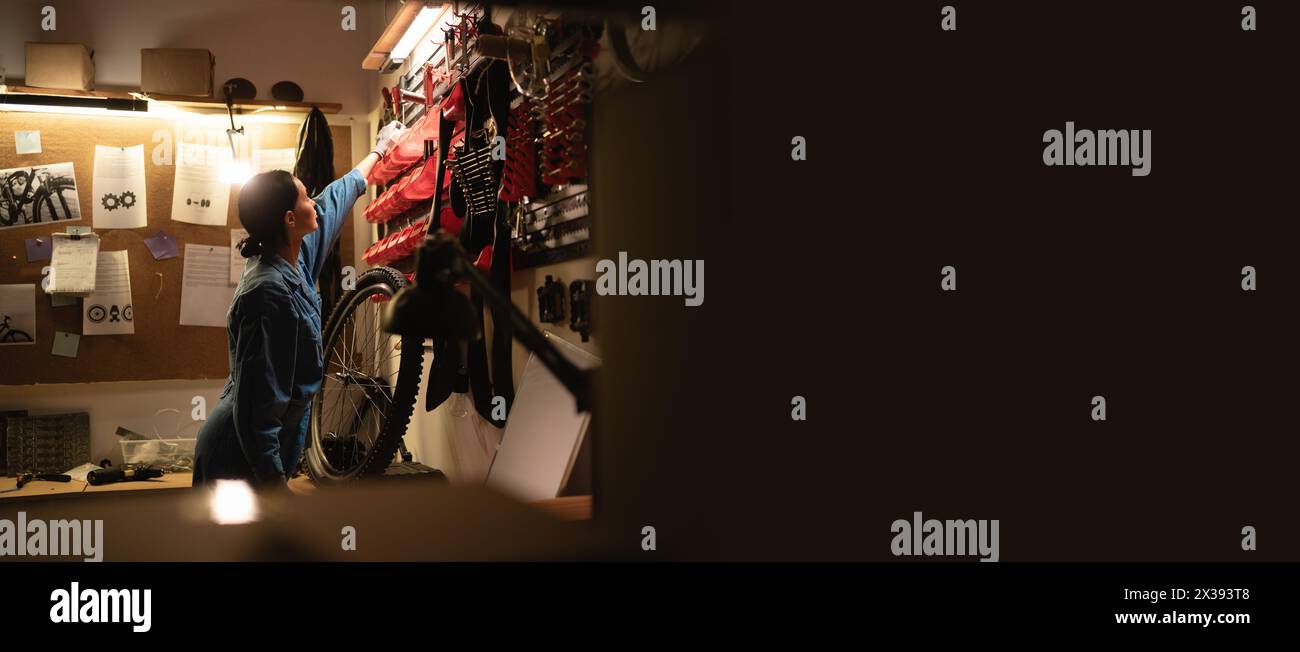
(41, 488)
(568, 508)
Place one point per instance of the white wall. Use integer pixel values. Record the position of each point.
(131, 405)
(260, 40)
(523, 292)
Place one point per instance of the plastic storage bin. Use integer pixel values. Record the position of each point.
(171, 454)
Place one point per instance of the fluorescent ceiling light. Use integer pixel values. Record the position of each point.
(74, 110)
(92, 102)
(419, 27)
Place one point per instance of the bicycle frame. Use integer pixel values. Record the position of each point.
(445, 270)
(574, 379)
(45, 194)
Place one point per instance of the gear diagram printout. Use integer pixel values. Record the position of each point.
(118, 190)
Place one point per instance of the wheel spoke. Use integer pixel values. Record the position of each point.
(360, 384)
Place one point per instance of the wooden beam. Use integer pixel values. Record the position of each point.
(246, 105)
(183, 101)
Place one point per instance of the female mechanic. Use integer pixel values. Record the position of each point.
(257, 431)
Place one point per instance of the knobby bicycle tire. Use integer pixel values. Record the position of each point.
(9, 210)
(399, 406)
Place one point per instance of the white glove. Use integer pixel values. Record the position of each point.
(387, 135)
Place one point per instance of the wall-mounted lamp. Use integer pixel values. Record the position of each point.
(162, 109)
(235, 171)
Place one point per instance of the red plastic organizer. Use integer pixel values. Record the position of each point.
(519, 175)
(397, 246)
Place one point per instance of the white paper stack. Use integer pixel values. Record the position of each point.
(73, 264)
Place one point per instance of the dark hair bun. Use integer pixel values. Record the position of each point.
(249, 248)
(263, 202)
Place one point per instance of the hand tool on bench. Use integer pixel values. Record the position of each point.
(24, 478)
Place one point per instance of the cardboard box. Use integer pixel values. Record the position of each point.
(68, 66)
(176, 71)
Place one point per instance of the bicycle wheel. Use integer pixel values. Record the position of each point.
(9, 211)
(371, 378)
(42, 198)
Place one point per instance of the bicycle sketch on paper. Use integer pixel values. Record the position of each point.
(17, 314)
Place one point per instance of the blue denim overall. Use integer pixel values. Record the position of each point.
(258, 428)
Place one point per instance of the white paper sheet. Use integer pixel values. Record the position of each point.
(17, 314)
(544, 431)
(274, 159)
(199, 195)
(118, 190)
(107, 310)
(206, 292)
(473, 440)
(73, 264)
(237, 260)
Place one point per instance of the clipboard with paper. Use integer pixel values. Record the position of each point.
(73, 264)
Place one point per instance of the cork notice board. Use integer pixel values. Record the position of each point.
(160, 348)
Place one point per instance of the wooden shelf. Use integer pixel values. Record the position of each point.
(180, 101)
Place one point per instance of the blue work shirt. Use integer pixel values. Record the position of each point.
(258, 428)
